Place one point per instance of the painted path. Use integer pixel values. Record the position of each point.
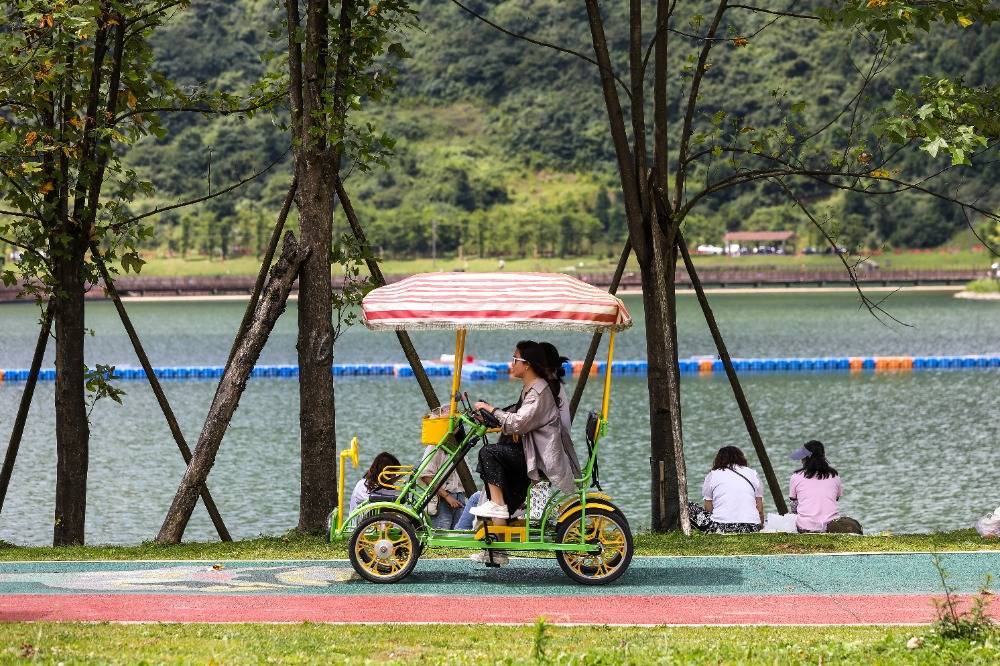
(782, 589)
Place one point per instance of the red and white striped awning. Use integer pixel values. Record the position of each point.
(493, 300)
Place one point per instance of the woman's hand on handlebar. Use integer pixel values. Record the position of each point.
(483, 405)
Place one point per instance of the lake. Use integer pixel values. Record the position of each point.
(916, 450)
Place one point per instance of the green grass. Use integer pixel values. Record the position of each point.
(984, 286)
(294, 546)
(161, 265)
(465, 644)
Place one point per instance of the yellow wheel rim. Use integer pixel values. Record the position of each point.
(383, 548)
(600, 531)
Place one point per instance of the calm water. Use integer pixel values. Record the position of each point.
(884, 432)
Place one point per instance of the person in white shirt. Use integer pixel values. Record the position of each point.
(733, 494)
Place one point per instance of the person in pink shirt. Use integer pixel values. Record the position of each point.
(814, 489)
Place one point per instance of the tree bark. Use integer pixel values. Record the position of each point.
(22, 411)
(231, 388)
(154, 383)
(316, 165)
(651, 250)
(72, 426)
(318, 444)
(666, 484)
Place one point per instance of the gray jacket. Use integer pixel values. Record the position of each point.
(548, 448)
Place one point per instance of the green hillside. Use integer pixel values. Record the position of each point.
(503, 148)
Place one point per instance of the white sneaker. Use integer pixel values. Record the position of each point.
(499, 558)
(490, 509)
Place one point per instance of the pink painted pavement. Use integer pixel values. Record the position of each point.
(611, 610)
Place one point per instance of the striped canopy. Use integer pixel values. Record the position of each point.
(493, 300)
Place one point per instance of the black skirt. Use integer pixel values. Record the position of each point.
(503, 464)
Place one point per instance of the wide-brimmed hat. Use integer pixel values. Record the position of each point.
(811, 448)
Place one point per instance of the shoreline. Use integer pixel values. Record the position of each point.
(623, 292)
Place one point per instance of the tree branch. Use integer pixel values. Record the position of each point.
(538, 42)
(781, 13)
(191, 202)
(874, 308)
(699, 73)
(256, 106)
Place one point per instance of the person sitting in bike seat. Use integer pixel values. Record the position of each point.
(533, 445)
(369, 483)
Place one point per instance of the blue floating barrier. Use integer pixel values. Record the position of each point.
(995, 361)
(718, 365)
(770, 365)
(868, 363)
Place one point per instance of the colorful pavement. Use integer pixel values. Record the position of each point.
(779, 589)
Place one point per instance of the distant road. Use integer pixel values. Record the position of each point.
(744, 278)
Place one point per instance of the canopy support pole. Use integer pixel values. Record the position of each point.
(605, 403)
(456, 379)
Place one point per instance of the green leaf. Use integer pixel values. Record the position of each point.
(932, 147)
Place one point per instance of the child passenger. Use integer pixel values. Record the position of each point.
(369, 482)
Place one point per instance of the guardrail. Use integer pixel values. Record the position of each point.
(746, 277)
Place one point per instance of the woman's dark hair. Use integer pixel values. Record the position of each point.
(729, 457)
(533, 353)
(382, 460)
(553, 360)
(815, 465)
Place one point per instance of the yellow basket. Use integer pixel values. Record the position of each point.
(433, 429)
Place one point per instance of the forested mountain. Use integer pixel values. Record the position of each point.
(503, 147)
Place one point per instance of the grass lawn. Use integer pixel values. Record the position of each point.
(465, 644)
(303, 547)
(984, 286)
(940, 259)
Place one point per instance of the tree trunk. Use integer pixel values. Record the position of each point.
(72, 427)
(315, 346)
(231, 387)
(664, 488)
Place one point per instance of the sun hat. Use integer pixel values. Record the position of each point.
(811, 448)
